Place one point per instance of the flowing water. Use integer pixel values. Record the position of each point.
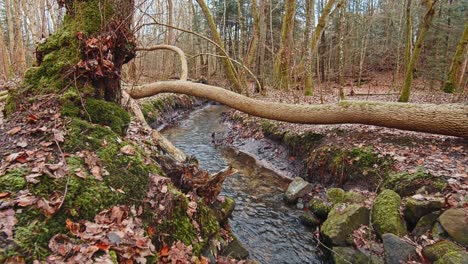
(269, 229)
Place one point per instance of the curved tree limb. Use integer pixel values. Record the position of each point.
(448, 119)
(183, 60)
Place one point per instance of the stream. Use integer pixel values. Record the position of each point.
(269, 228)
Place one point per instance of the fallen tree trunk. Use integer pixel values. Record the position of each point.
(447, 119)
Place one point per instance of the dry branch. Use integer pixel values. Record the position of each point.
(448, 119)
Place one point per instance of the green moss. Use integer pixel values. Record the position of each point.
(60, 53)
(454, 257)
(108, 114)
(177, 225)
(406, 184)
(13, 180)
(386, 215)
(153, 109)
(127, 173)
(319, 207)
(301, 143)
(208, 222)
(33, 232)
(439, 249)
(11, 103)
(223, 210)
(83, 135)
(339, 166)
(342, 221)
(336, 195)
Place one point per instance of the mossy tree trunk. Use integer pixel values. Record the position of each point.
(424, 28)
(454, 73)
(282, 62)
(88, 51)
(308, 82)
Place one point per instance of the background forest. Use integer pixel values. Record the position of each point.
(361, 39)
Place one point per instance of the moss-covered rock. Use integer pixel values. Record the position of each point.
(308, 218)
(425, 224)
(438, 232)
(336, 195)
(13, 180)
(438, 250)
(342, 220)
(416, 208)
(386, 215)
(454, 257)
(406, 184)
(333, 165)
(319, 207)
(455, 222)
(346, 255)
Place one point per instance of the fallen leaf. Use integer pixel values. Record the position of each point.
(128, 150)
(58, 136)
(4, 194)
(31, 178)
(14, 131)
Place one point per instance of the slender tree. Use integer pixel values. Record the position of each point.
(308, 82)
(454, 74)
(423, 29)
(228, 66)
(283, 59)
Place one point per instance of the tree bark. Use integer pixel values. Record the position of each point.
(283, 59)
(308, 81)
(453, 76)
(449, 119)
(20, 54)
(89, 49)
(424, 28)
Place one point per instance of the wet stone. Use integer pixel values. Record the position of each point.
(296, 189)
(397, 250)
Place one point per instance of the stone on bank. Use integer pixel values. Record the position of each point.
(342, 220)
(297, 188)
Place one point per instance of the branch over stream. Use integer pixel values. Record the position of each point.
(447, 119)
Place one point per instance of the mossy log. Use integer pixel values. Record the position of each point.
(448, 119)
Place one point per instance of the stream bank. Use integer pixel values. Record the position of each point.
(371, 205)
(269, 229)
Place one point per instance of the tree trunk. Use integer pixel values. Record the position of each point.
(424, 28)
(449, 119)
(341, 33)
(4, 59)
(229, 68)
(20, 54)
(283, 59)
(453, 76)
(308, 82)
(11, 32)
(409, 35)
(90, 48)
